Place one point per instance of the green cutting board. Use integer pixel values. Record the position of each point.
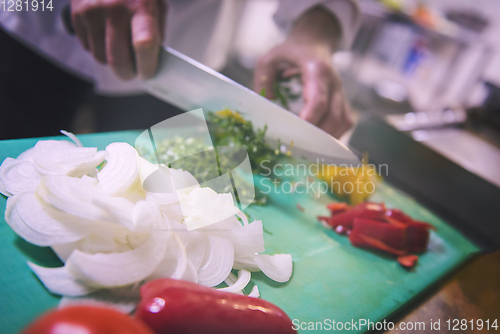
(332, 280)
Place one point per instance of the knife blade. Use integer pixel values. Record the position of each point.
(189, 85)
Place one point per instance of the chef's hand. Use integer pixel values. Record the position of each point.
(126, 34)
(307, 51)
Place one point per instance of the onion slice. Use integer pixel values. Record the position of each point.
(218, 262)
(121, 269)
(64, 230)
(277, 267)
(72, 136)
(61, 157)
(60, 282)
(18, 176)
(255, 292)
(121, 172)
(244, 277)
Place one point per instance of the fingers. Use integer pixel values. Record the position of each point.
(117, 31)
(96, 35)
(81, 31)
(316, 80)
(118, 49)
(163, 9)
(266, 72)
(337, 120)
(146, 42)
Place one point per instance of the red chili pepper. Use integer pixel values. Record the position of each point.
(398, 215)
(371, 225)
(336, 208)
(379, 235)
(417, 235)
(408, 261)
(396, 239)
(173, 306)
(340, 229)
(366, 210)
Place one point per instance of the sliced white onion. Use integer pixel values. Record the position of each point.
(204, 207)
(61, 231)
(247, 240)
(247, 263)
(244, 277)
(61, 157)
(174, 263)
(218, 262)
(89, 167)
(73, 196)
(112, 232)
(82, 199)
(18, 176)
(180, 253)
(120, 269)
(146, 168)
(72, 136)
(60, 282)
(190, 275)
(196, 250)
(230, 280)
(277, 267)
(16, 222)
(255, 292)
(162, 198)
(183, 181)
(63, 251)
(3, 190)
(26, 155)
(121, 172)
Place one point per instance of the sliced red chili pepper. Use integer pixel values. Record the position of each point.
(340, 229)
(364, 241)
(398, 215)
(408, 261)
(366, 210)
(371, 225)
(417, 235)
(427, 225)
(379, 235)
(336, 208)
(394, 216)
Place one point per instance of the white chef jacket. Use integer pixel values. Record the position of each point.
(201, 29)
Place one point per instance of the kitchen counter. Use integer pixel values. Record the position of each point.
(472, 292)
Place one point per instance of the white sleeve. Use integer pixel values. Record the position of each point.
(346, 12)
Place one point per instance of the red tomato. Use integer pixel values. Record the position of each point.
(86, 320)
(172, 306)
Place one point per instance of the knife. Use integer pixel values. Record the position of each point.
(188, 85)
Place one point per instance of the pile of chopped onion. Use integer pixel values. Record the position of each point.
(92, 208)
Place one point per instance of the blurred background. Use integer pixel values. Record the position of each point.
(423, 79)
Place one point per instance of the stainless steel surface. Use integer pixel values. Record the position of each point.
(451, 171)
(425, 120)
(190, 85)
(465, 149)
